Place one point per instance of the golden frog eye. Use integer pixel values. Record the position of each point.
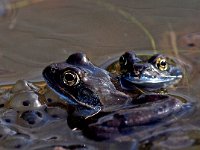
(71, 78)
(161, 64)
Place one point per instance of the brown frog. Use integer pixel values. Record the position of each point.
(97, 105)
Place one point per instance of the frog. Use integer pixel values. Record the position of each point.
(83, 85)
(146, 72)
(97, 105)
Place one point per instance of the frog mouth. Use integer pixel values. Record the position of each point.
(153, 83)
(151, 78)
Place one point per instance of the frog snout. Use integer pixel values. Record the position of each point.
(177, 73)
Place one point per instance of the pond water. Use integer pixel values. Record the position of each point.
(35, 33)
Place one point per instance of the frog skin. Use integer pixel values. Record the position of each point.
(131, 120)
(154, 73)
(81, 84)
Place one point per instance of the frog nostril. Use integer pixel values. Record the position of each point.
(53, 69)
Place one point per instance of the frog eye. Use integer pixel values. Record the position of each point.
(161, 64)
(71, 78)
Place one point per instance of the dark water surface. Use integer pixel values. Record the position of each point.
(35, 33)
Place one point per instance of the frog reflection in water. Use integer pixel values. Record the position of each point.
(89, 90)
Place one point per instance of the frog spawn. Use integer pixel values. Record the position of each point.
(25, 120)
(24, 106)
